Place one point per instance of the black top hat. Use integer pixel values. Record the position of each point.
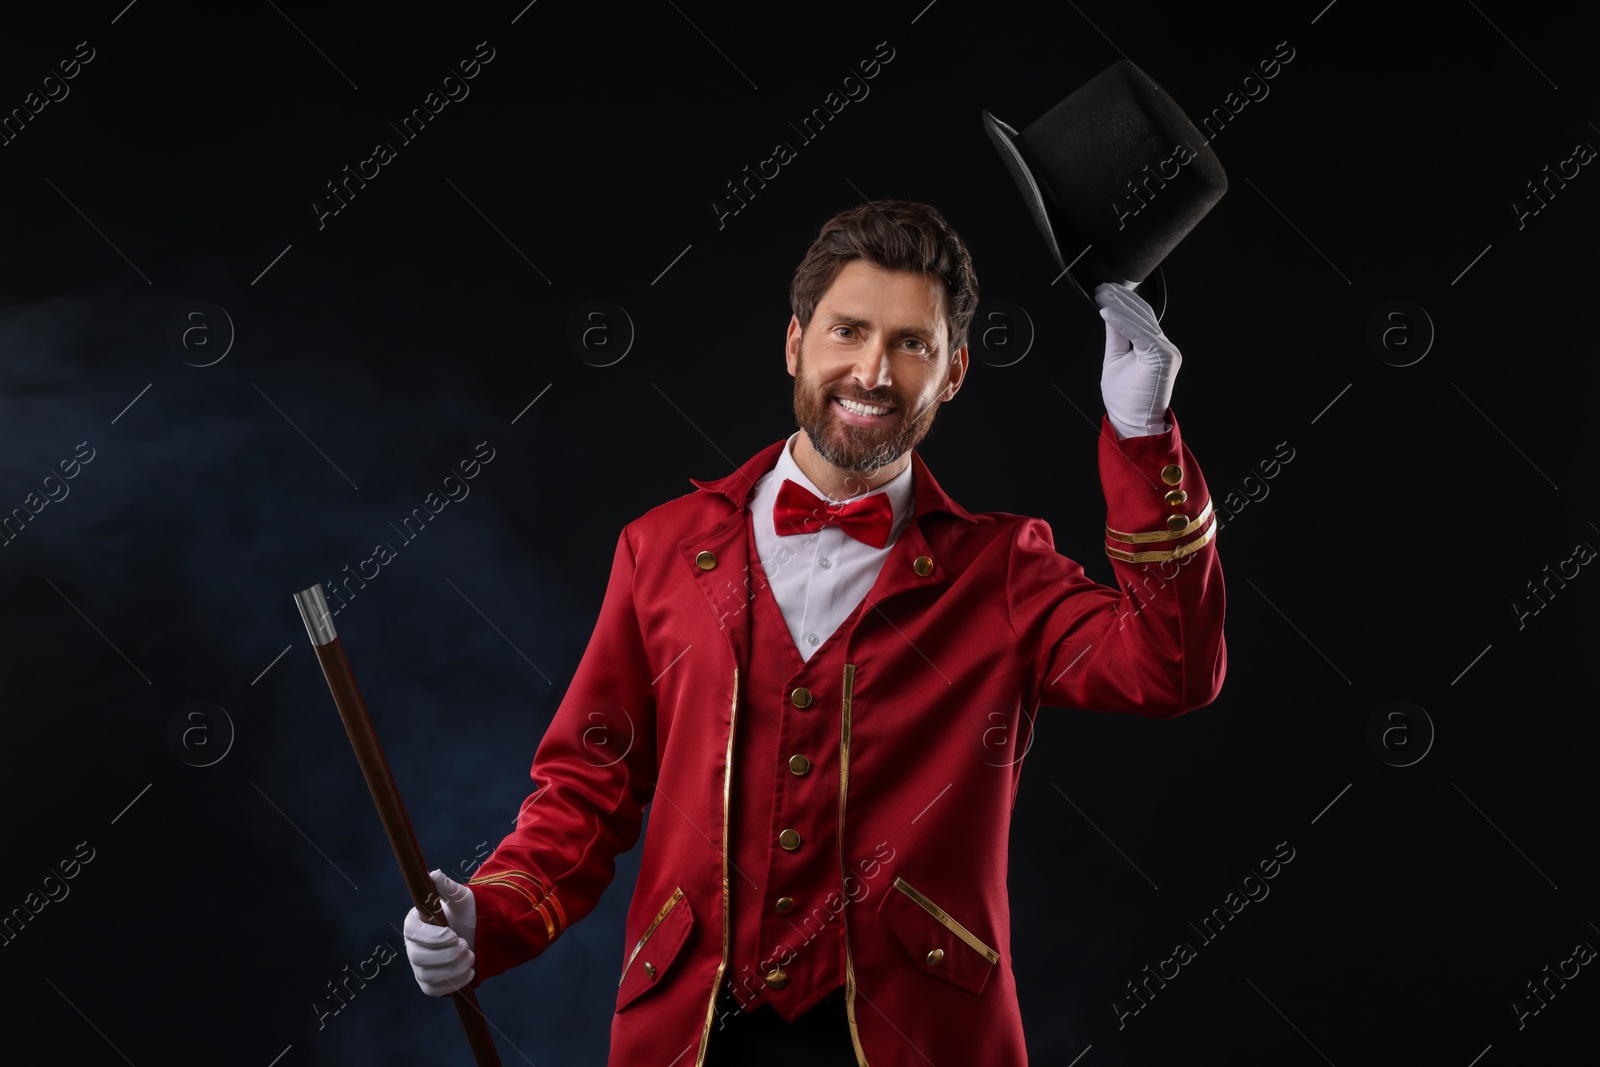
(1116, 167)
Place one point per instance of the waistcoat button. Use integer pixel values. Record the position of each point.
(799, 764)
(801, 697)
(789, 840)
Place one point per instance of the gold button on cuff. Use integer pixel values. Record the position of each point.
(799, 764)
(801, 697)
(789, 840)
(1177, 522)
(1176, 497)
(705, 560)
(784, 905)
(650, 970)
(923, 565)
(1172, 474)
(776, 978)
(1170, 534)
(935, 956)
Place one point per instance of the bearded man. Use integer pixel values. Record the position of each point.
(809, 659)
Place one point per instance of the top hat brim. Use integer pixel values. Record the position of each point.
(1005, 142)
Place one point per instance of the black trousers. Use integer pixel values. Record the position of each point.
(760, 1038)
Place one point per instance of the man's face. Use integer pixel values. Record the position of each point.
(877, 338)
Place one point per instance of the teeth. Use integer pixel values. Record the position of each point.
(862, 409)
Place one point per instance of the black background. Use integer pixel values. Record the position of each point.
(1382, 563)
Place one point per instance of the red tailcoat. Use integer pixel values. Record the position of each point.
(974, 622)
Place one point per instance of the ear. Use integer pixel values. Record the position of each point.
(791, 345)
(958, 374)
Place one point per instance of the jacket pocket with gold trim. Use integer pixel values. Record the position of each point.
(653, 954)
(938, 943)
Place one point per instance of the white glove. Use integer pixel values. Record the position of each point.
(1140, 364)
(442, 956)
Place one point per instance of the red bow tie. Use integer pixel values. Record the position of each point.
(798, 510)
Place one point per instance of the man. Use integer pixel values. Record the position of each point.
(818, 690)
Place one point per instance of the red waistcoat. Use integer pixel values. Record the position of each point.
(786, 779)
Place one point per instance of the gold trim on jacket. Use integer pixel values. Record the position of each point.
(677, 895)
(954, 927)
(727, 784)
(1161, 555)
(844, 870)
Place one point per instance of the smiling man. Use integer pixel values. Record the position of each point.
(881, 367)
(828, 670)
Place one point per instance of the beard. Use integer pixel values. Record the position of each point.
(862, 449)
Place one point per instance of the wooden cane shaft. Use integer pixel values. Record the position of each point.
(380, 782)
(397, 826)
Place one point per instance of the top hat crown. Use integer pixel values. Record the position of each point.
(1117, 167)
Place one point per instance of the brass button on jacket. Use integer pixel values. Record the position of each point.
(1176, 497)
(705, 560)
(784, 905)
(1172, 474)
(1177, 522)
(789, 840)
(923, 565)
(801, 697)
(799, 764)
(650, 970)
(935, 956)
(776, 978)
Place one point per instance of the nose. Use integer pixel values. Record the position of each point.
(871, 370)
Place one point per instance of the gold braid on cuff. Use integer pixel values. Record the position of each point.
(1161, 555)
(546, 896)
(1163, 535)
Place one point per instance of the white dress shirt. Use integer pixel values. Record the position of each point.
(819, 578)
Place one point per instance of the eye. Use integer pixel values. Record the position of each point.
(917, 344)
(836, 329)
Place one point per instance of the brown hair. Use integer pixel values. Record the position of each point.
(892, 235)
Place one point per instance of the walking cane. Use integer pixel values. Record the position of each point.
(358, 724)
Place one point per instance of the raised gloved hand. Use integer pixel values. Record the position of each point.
(441, 956)
(1140, 364)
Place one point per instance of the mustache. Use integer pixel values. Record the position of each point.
(879, 401)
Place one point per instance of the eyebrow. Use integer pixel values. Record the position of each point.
(839, 318)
